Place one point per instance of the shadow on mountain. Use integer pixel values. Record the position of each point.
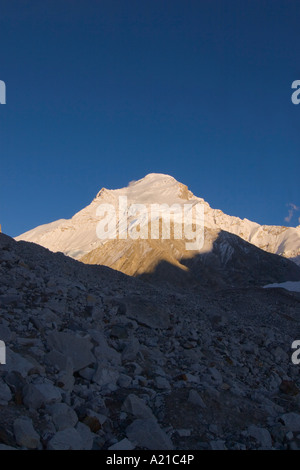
(231, 262)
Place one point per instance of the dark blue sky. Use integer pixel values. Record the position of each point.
(100, 93)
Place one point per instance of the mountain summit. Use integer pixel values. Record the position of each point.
(154, 187)
(77, 237)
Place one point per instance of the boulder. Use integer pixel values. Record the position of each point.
(137, 407)
(68, 439)
(63, 416)
(25, 434)
(78, 349)
(37, 395)
(148, 434)
(261, 435)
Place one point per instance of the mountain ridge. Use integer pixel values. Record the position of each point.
(77, 237)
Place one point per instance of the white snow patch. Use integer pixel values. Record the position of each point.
(289, 285)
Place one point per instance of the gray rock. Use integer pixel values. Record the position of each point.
(5, 447)
(5, 394)
(105, 376)
(15, 362)
(87, 437)
(192, 378)
(137, 407)
(103, 352)
(60, 361)
(293, 445)
(195, 399)
(48, 429)
(63, 416)
(37, 395)
(184, 432)
(147, 433)
(78, 349)
(15, 381)
(124, 381)
(119, 332)
(216, 376)
(147, 312)
(131, 350)
(65, 380)
(278, 432)
(280, 355)
(214, 429)
(87, 373)
(162, 383)
(124, 444)
(15, 299)
(68, 439)
(261, 435)
(5, 333)
(98, 419)
(218, 445)
(291, 421)
(25, 434)
(64, 364)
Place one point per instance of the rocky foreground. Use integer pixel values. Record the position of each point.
(99, 360)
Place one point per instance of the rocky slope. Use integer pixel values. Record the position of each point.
(224, 261)
(77, 237)
(97, 359)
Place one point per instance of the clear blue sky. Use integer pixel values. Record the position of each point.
(100, 93)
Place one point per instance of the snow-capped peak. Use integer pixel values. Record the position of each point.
(153, 188)
(77, 236)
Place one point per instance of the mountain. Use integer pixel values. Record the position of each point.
(228, 241)
(99, 360)
(224, 261)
